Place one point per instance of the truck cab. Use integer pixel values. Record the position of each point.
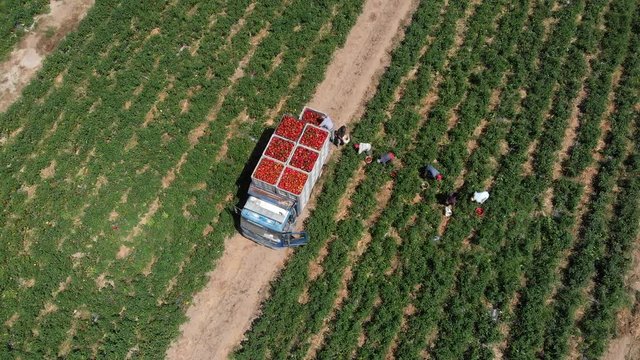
(269, 219)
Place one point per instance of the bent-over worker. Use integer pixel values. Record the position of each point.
(480, 197)
(327, 123)
(385, 158)
(363, 148)
(341, 136)
(451, 199)
(433, 173)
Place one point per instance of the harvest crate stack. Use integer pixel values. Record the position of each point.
(292, 161)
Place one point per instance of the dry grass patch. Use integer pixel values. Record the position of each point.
(143, 169)
(102, 282)
(27, 242)
(275, 63)
(30, 190)
(186, 206)
(168, 179)
(47, 309)
(123, 252)
(12, 320)
(133, 142)
(26, 283)
(151, 211)
(570, 132)
(147, 269)
(207, 230)
(125, 196)
(199, 186)
(315, 266)
(345, 201)
(62, 286)
(49, 171)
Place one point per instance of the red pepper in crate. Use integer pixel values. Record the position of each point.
(279, 149)
(310, 116)
(290, 128)
(314, 137)
(268, 171)
(293, 181)
(304, 159)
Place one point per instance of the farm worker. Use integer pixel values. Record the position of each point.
(480, 197)
(385, 158)
(327, 124)
(342, 138)
(363, 148)
(451, 199)
(433, 173)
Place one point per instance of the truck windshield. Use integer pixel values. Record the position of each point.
(259, 233)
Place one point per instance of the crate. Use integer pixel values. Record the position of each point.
(323, 149)
(273, 143)
(302, 198)
(309, 110)
(262, 184)
(293, 123)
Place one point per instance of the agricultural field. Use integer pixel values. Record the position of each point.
(16, 19)
(536, 102)
(121, 160)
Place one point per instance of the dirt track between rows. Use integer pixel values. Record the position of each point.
(26, 59)
(222, 312)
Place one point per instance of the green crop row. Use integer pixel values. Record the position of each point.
(599, 321)
(114, 72)
(17, 19)
(283, 310)
(393, 290)
(506, 232)
(450, 282)
(613, 51)
(590, 251)
(526, 328)
(438, 281)
(416, 255)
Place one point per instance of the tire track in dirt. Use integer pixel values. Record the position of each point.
(224, 309)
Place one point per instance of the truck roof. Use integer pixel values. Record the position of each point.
(266, 209)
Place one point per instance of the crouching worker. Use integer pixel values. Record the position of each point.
(363, 148)
(386, 158)
(451, 199)
(433, 173)
(341, 137)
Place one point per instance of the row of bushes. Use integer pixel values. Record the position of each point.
(104, 62)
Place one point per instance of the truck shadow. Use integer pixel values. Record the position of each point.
(244, 180)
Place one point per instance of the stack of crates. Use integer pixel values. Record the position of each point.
(276, 158)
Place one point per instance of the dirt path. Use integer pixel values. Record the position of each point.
(26, 59)
(224, 309)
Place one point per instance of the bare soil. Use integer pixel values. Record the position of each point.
(626, 346)
(222, 312)
(26, 58)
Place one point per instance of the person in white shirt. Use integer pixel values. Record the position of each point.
(480, 197)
